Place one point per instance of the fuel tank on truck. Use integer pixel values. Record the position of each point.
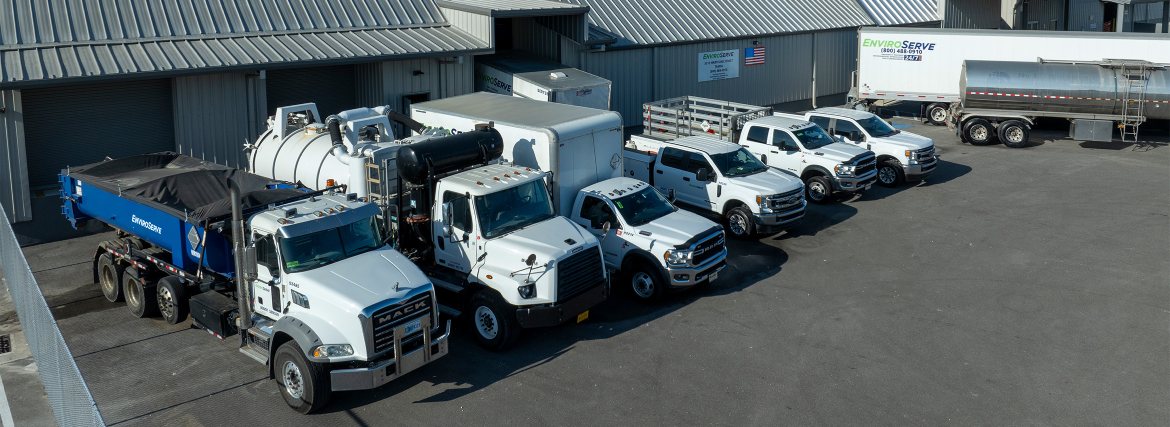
(448, 154)
(1081, 88)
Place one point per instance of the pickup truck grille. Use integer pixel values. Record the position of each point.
(386, 319)
(578, 273)
(708, 248)
(785, 200)
(865, 163)
(926, 155)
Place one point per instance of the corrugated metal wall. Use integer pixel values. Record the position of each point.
(1044, 15)
(475, 24)
(982, 14)
(785, 76)
(14, 194)
(216, 113)
(1085, 15)
(535, 38)
(333, 89)
(457, 77)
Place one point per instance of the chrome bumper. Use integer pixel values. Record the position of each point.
(858, 183)
(690, 276)
(921, 169)
(382, 372)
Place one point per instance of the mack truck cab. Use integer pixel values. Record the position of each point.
(795, 146)
(654, 245)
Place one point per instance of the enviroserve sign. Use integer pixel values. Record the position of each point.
(897, 50)
(718, 65)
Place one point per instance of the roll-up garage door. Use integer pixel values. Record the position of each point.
(331, 88)
(77, 125)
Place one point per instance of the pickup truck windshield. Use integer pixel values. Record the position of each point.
(503, 212)
(738, 163)
(325, 247)
(644, 206)
(877, 127)
(813, 137)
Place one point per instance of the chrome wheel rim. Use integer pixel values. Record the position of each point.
(887, 175)
(816, 190)
(938, 114)
(738, 224)
(166, 302)
(643, 284)
(486, 323)
(293, 381)
(979, 133)
(1015, 134)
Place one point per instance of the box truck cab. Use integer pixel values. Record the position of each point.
(581, 149)
(901, 155)
(479, 230)
(718, 177)
(793, 145)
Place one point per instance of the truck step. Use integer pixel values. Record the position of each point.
(255, 353)
(449, 311)
(440, 283)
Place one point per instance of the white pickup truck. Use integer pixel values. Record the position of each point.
(719, 177)
(792, 144)
(655, 245)
(900, 155)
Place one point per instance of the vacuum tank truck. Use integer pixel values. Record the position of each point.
(485, 231)
(1001, 100)
(301, 275)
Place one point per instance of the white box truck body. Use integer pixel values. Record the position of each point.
(541, 80)
(923, 64)
(580, 146)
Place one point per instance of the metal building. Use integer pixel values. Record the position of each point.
(1140, 16)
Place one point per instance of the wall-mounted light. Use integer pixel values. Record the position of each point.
(3, 110)
(417, 72)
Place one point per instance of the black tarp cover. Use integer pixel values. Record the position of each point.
(182, 185)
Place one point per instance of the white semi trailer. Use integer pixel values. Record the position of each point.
(922, 65)
(524, 77)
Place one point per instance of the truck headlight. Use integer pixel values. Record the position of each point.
(527, 291)
(677, 257)
(912, 156)
(332, 350)
(844, 170)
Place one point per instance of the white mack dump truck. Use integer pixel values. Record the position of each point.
(651, 244)
(488, 233)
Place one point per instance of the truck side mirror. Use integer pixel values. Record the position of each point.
(670, 196)
(856, 136)
(605, 229)
(447, 219)
(703, 174)
(249, 261)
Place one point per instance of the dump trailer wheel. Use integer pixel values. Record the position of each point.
(978, 131)
(890, 173)
(493, 321)
(110, 278)
(645, 282)
(740, 223)
(140, 295)
(172, 299)
(304, 385)
(819, 189)
(937, 114)
(1014, 134)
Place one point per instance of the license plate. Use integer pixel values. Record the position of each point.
(413, 326)
(868, 185)
(713, 276)
(581, 317)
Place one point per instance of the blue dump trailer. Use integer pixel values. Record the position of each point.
(302, 276)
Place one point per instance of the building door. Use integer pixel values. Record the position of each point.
(333, 89)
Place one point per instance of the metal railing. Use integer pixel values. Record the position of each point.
(67, 393)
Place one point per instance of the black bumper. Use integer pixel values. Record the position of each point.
(552, 315)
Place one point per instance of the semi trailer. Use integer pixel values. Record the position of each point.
(648, 243)
(485, 233)
(1001, 100)
(922, 65)
(522, 76)
(300, 275)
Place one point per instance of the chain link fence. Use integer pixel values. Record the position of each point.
(68, 395)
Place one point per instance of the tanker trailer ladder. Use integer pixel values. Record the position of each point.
(1136, 75)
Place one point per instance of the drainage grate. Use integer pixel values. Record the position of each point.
(5, 344)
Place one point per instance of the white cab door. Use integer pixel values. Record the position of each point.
(594, 213)
(457, 251)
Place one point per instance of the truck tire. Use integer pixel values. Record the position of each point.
(140, 294)
(890, 173)
(645, 282)
(1013, 133)
(493, 321)
(978, 131)
(819, 189)
(172, 299)
(109, 278)
(937, 114)
(304, 385)
(740, 223)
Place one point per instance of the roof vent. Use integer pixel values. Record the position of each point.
(557, 75)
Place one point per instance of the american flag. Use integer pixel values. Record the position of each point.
(753, 55)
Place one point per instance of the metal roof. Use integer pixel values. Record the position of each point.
(671, 21)
(514, 8)
(53, 40)
(901, 12)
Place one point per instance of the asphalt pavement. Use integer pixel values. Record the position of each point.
(1013, 286)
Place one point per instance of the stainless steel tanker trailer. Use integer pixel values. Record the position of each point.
(1000, 100)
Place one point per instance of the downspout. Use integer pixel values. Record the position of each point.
(814, 71)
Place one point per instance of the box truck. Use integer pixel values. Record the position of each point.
(514, 75)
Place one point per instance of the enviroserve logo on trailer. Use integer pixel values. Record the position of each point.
(146, 224)
(898, 50)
